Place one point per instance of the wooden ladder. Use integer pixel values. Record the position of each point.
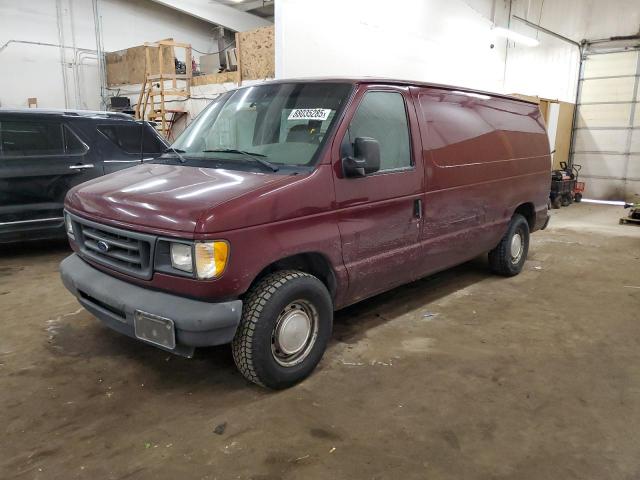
(156, 87)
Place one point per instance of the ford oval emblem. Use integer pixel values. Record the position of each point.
(103, 246)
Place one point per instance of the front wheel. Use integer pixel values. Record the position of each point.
(577, 197)
(286, 324)
(508, 258)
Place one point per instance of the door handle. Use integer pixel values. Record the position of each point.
(81, 167)
(417, 208)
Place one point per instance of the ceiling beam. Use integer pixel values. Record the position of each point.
(217, 14)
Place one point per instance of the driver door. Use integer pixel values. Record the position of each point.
(380, 214)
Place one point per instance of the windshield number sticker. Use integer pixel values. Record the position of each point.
(309, 114)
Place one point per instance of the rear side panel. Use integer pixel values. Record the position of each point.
(41, 158)
(484, 156)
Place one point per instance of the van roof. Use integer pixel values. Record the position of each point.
(67, 112)
(393, 81)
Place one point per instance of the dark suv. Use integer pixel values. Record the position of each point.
(45, 153)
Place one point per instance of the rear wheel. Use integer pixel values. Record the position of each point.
(508, 257)
(577, 197)
(556, 202)
(286, 323)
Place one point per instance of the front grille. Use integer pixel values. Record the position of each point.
(122, 250)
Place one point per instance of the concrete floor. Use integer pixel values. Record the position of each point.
(537, 376)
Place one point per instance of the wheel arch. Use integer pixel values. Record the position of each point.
(528, 211)
(313, 263)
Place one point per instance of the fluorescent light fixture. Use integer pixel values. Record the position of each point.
(604, 202)
(516, 37)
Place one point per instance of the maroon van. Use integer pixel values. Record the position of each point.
(285, 201)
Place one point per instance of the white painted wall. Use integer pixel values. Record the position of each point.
(446, 41)
(551, 70)
(36, 71)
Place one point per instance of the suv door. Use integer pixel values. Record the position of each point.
(379, 215)
(123, 144)
(40, 160)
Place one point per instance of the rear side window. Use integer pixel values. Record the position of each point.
(28, 138)
(73, 145)
(127, 137)
(382, 116)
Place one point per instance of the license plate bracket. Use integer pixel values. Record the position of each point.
(155, 329)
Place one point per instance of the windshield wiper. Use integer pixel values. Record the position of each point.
(252, 155)
(177, 151)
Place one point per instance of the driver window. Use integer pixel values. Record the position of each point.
(382, 116)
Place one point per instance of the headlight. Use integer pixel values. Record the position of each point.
(211, 258)
(181, 257)
(68, 225)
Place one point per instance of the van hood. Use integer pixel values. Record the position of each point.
(165, 197)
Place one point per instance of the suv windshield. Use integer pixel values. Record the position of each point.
(283, 124)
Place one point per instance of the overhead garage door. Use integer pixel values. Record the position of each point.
(607, 134)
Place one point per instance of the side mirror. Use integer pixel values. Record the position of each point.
(365, 159)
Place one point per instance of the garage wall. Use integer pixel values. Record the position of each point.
(551, 70)
(436, 40)
(37, 71)
(446, 41)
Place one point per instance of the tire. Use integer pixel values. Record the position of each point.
(577, 197)
(501, 259)
(557, 202)
(269, 348)
(566, 201)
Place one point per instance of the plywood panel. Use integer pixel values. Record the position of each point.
(528, 98)
(225, 77)
(256, 52)
(563, 133)
(543, 105)
(126, 67)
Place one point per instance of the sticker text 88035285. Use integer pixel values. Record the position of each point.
(309, 114)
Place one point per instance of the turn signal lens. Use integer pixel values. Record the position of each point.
(211, 258)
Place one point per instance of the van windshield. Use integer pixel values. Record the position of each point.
(284, 124)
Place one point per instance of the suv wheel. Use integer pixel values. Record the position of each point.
(285, 327)
(508, 257)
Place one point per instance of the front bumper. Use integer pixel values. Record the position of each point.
(114, 302)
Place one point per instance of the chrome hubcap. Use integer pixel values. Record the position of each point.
(517, 246)
(295, 333)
